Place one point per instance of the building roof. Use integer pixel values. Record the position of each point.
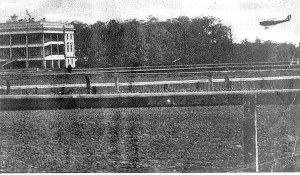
(32, 25)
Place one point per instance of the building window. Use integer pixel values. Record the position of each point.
(67, 36)
(47, 37)
(19, 52)
(55, 49)
(62, 63)
(35, 38)
(4, 40)
(48, 50)
(18, 39)
(4, 53)
(35, 52)
(61, 49)
(67, 47)
(48, 63)
(71, 36)
(54, 37)
(60, 37)
(71, 47)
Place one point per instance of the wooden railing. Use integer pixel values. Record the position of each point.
(210, 83)
(208, 68)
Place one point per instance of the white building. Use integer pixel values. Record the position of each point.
(41, 44)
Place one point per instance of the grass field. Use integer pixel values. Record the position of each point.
(194, 139)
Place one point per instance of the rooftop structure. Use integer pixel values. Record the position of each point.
(36, 44)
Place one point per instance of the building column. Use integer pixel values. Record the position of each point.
(58, 63)
(10, 48)
(52, 64)
(27, 61)
(44, 64)
(44, 54)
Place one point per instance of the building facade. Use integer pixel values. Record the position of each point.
(31, 44)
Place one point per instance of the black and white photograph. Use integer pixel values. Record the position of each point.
(149, 86)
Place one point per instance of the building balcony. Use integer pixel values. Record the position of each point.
(54, 42)
(5, 47)
(55, 57)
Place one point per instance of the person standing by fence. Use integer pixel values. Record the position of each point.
(69, 68)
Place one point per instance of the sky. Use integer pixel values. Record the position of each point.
(242, 15)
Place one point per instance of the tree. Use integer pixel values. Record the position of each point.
(135, 47)
(82, 38)
(114, 42)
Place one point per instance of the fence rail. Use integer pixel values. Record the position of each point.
(152, 83)
(133, 100)
(199, 65)
(162, 70)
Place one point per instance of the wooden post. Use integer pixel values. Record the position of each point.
(130, 87)
(227, 83)
(7, 87)
(290, 97)
(198, 85)
(250, 132)
(264, 84)
(88, 84)
(94, 90)
(117, 90)
(143, 89)
(210, 83)
(165, 87)
(36, 90)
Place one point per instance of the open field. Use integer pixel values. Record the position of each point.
(165, 139)
(191, 139)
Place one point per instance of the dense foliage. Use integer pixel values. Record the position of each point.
(179, 40)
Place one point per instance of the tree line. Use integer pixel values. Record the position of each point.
(175, 41)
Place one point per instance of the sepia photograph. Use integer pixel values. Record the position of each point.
(149, 86)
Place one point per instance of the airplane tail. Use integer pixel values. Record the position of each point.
(288, 17)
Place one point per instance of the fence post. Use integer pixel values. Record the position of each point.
(130, 87)
(166, 87)
(116, 79)
(210, 83)
(198, 85)
(36, 90)
(227, 83)
(88, 84)
(7, 87)
(290, 96)
(250, 133)
(263, 84)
